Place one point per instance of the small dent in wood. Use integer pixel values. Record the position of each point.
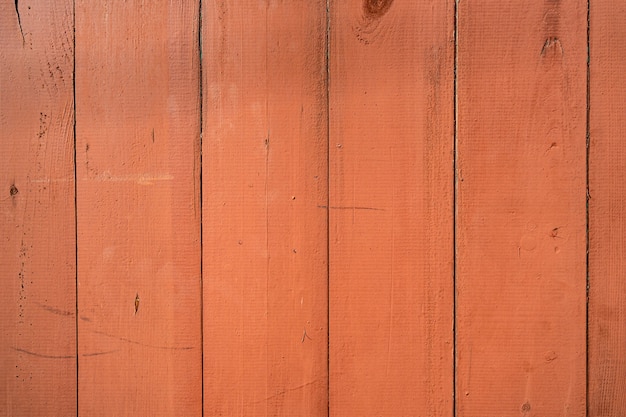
(552, 44)
(550, 356)
(552, 146)
(13, 190)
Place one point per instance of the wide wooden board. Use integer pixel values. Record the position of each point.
(391, 208)
(37, 221)
(265, 186)
(138, 200)
(607, 211)
(521, 214)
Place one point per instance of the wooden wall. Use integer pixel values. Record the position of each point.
(312, 208)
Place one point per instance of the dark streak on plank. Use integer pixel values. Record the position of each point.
(55, 310)
(100, 353)
(40, 355)
(134, 342)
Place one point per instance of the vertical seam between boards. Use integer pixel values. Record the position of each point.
(327, 82)
(201, 121)
(76, 322)
(454, 210)
(587, 198)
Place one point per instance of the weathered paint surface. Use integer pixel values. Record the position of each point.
(138, 189)
(607, 211)
(263, 210)
(37, 237)
(391, 208)
(521, 216)
(265, 184)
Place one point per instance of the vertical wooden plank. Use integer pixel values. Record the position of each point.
(607, 211)
(521, 216)
(391, 208)
(138, 126)
(264, 225)
(37, 222)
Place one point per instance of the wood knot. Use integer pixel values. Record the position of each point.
(376, 8)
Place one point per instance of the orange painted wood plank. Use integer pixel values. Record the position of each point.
(607, 211)
(391, 208)
(264, 226)
(37, 217)
(139, 251)
(521, 215)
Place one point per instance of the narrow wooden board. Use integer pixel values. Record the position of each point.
(37, 222)
(138, 133)
(607, 211)
(265, 187)
(391, 208)
(521, 215)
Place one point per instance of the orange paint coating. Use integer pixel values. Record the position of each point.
(520, 215)
(264, 226)
(607, 211)
(37, 238)
(138, 132)
(391, 212)
(521, 208)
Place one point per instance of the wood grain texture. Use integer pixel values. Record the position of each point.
(391, 208)
(521, 216)
(264, 222)
(138, 132)
(37, 222)
(607, 211)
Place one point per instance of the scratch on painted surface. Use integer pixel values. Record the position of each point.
(135, 342)
(286, 391)
(351, 208)
(142, 179)
(41, 355)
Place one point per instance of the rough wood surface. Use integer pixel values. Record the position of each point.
(37, 237)
(303, 263)
(138, 132)
(265, 187)
(521, 216)
(607, 211)
(391, 212)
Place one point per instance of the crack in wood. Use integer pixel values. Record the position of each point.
(19, 21)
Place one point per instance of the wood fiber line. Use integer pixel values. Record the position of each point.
(37, 222)
(264, 231)
(391, 208)
(138, 112)
(521, 215)
(607, 212)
